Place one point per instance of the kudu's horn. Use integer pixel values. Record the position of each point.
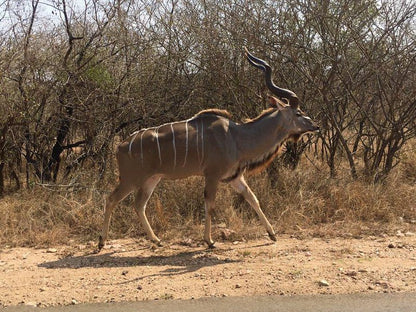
(279, 92)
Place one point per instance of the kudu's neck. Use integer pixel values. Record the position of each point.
(260, 136)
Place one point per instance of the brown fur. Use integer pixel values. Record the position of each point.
(215, 111)
(254, 168)
(226, 114)
(211, 146)
(275, 102)
(259, 167)
(263, 113)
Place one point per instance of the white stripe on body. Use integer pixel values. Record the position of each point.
(173, 142)
(197, 143)
(158, 145)
(174, 146)
(132, 140)
(202, 142)
(186, 145)
(141, 145)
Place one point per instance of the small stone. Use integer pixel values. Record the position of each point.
(237, 286)
(409, 234)
(31, 304)
(139, 287)
(52, 250)
(187, 242)
(74, 302)
(351, 273)
(226, 234)
(124, 273)
(113, 246)
(383, 284)
(391, 245)
(323, 283)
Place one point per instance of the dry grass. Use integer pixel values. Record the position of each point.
(304, 202)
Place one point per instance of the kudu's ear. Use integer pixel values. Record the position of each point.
(275, 102)
(294, 102)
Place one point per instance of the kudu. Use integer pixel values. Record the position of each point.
(209, 144)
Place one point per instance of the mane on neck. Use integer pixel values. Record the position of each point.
(215, 111)
(264, 113)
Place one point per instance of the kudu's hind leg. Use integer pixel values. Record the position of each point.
(241, 187)
(120, 192)
(209, 195)
(142, 196)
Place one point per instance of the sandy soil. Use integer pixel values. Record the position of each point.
(129, 270)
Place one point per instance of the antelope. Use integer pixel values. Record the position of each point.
(211, 145)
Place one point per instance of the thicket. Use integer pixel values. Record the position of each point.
(77, 76)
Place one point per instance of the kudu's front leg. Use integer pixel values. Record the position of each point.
(141, 198)
(121, 191)
(209, 196)
(241, 187)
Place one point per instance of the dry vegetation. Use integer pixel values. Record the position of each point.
(304, 202)
(73, 85)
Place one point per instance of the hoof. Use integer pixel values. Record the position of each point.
(273, 237)
(211, 245)
(100, 243)
(159, 243)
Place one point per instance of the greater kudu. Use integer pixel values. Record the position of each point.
(208, 144)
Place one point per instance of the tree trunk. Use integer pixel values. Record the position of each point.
(1, 179)
(52, 168)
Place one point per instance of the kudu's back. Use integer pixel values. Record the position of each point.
(178, 149)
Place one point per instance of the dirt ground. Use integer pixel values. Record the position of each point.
(130, 270)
